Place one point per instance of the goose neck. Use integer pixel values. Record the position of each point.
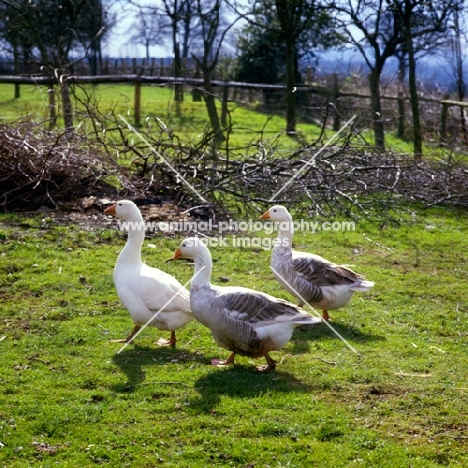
(203, 269)
(285, 233)
(131, 253)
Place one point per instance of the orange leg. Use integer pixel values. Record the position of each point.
(129, 338)
(271, 364)
(325, 315)
(222, 362)
(170, 342)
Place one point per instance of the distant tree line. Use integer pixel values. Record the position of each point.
(266, 40)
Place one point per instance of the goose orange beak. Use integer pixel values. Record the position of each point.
(177, 255)
(110, 210)
(265, 215)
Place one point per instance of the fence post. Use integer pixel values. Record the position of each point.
(401, 116)
(137, 103)
(224, 106)
(197, 93)
(443, 121)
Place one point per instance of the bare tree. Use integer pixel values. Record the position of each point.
(300, 18)
(455, 56)
(458, 48)
(372, 28)
(425, 26)
(168, 18)
(50, 30)
(146, 30)
(180, 18)
(380, 29)
(213, 30)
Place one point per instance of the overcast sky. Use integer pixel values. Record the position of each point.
(119, 44)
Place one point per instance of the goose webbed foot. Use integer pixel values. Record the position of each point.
(270, 365)
(223, 362)
(129, 338)
(170, 342)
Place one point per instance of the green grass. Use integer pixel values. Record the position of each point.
(189, 121)
(68, 399)
(156, 103)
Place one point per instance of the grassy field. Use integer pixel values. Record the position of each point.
(157, 103)
(68, 398)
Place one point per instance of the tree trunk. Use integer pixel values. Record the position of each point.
(211, 105)
(459, 72)
(290, 91)
(224, 109)
(401, 94)
(52, 108)
(376, 109)
(401, 116)
(417, 135)
(178, 88)
(17, 69)
(67, 107)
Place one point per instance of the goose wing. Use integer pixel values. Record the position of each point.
(320, 272)
(242, 313)
(260, 308)
(155, 288)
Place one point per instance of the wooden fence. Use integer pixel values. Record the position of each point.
(344, 103)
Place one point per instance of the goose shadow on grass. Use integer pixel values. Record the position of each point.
(133, 360)
(304, 336)
(242, 381)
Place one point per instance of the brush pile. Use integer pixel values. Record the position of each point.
(342, 180)
(46, 168)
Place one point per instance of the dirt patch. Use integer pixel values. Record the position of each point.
(88, 212)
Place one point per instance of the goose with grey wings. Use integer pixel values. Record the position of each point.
(309, 277)
(243, 321)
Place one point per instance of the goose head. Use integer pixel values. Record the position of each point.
(192, 247)
(277, 213)
(124, 209)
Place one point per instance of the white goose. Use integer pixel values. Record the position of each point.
(144, 290)
(243, 321)
(321, 283)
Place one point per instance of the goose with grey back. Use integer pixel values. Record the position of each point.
(151, 296)
(309, 277)
(243, 321)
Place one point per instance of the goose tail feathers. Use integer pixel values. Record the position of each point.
(363, 286)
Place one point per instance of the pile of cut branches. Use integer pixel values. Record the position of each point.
(40, 167)
(341, 180)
